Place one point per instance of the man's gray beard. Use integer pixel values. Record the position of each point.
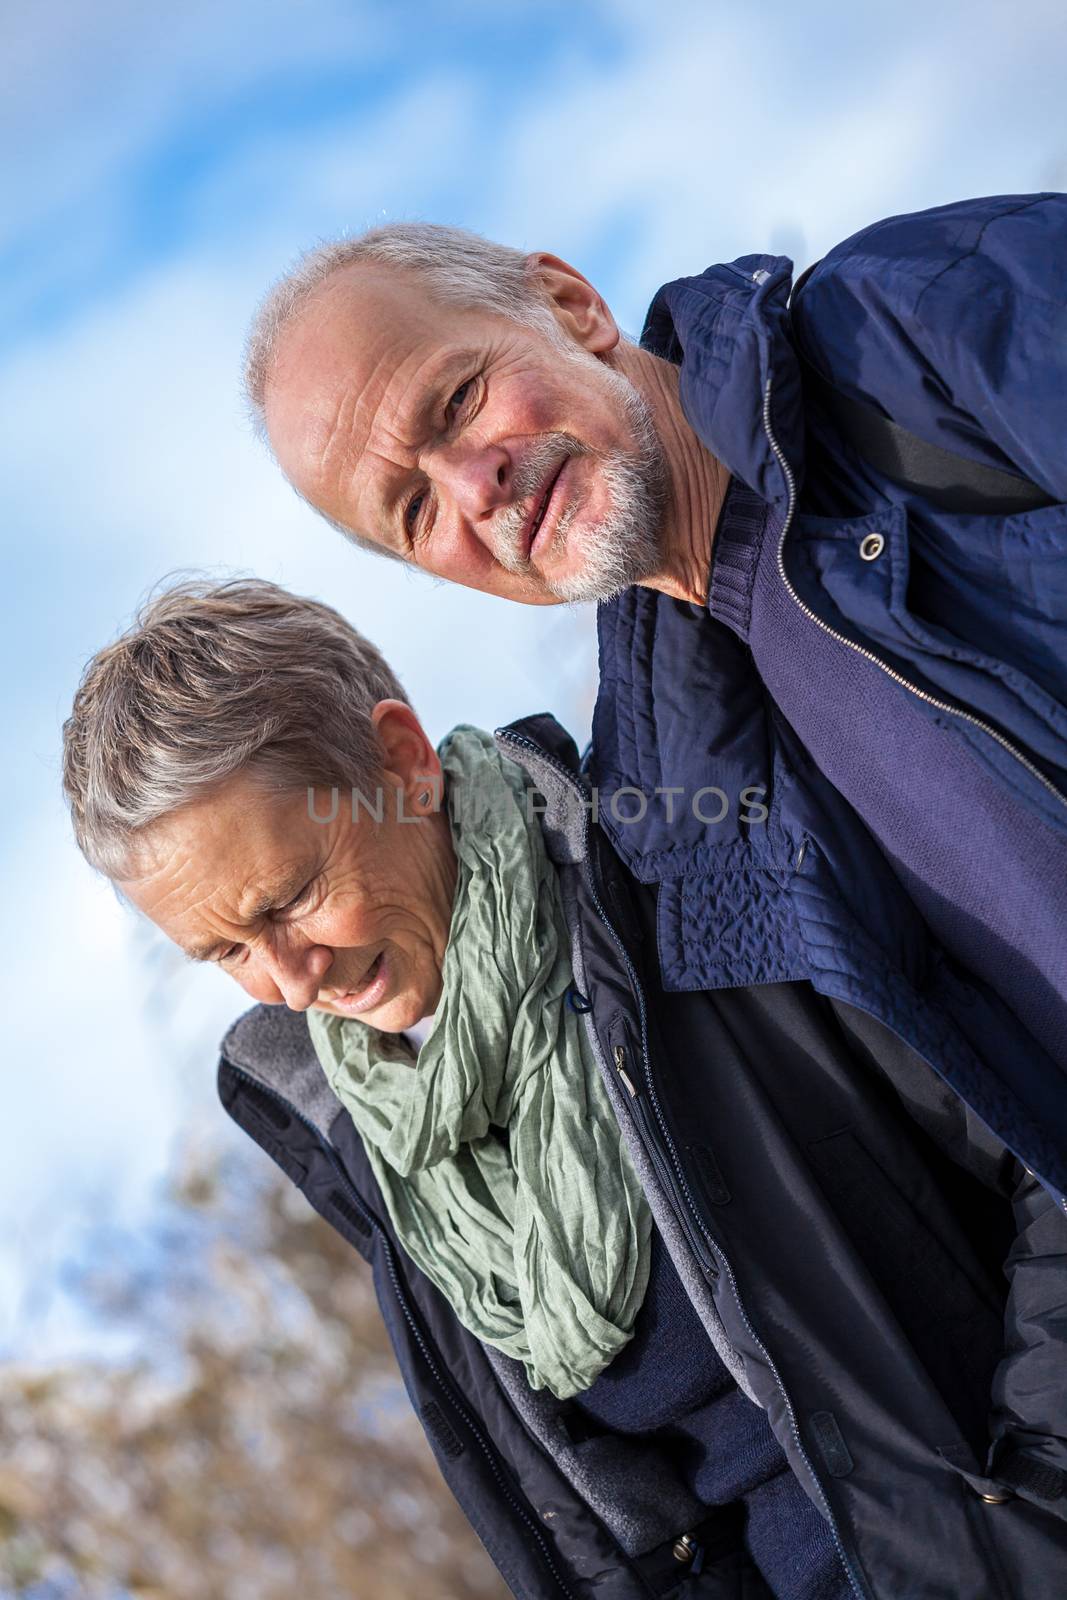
(625, 547)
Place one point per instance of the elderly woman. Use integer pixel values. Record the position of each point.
(500, 1159)
(503, 1096)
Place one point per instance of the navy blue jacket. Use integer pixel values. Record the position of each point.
(898, 700)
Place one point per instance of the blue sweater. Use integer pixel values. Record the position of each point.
(722, 1443)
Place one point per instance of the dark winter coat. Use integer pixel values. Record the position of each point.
(821, 1248)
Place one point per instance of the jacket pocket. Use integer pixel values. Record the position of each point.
(885, 587)
(940, 1299)
(999, 585)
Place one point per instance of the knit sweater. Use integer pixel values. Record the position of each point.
(720, 1441)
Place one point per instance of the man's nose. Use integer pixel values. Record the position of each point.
(476, 477)
(298, 974)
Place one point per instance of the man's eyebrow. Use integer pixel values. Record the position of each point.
(417, 406)
(432, 389)
(416, 420)
(393, 499)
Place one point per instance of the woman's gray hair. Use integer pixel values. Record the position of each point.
(457, 266)
(212, 680)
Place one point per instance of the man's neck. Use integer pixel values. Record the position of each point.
(697, 480)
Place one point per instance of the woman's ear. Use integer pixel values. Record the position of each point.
(409, 756)
(579, 309)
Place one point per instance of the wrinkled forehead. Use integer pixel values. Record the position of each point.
(364, 341)
(367, 322)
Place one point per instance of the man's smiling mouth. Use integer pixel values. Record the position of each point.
(541, 511)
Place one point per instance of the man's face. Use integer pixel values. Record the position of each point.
(477, 448)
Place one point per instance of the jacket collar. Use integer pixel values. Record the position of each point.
(678, 697)
(728, 329)
(549, 757)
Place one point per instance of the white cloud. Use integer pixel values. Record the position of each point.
(718, 129)
(92, 89)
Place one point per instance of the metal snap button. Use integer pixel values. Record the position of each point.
(998, 1499)
(872, 547)
(685, 1548)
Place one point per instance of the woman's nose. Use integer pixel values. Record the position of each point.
(299, 975)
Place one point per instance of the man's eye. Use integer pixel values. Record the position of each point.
(411, 511)
(227, 957)
(458, 398)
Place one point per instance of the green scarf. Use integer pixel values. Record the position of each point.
(497, 1151)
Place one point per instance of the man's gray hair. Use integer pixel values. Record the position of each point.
(210, 681)
(458, 266)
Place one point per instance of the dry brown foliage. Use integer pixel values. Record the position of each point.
(259, 1446)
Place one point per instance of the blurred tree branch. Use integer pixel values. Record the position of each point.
(261, 1443)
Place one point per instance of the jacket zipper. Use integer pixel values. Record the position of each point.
(443, 1384)
(638, 1103)
(921, 694)
(688, 1215)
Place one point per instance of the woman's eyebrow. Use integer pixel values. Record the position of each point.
(272, 899)
(278, 894)
(204, 952)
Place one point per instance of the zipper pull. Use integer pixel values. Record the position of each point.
(620, 1067)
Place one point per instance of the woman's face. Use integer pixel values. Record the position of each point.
(349, 915)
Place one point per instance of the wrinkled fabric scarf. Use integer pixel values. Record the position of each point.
(497, 1151)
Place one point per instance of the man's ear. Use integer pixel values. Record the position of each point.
(579, 309)
(408, 755)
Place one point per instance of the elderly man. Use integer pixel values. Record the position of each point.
(830, 540)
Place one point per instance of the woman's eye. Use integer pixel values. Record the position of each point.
(298, 899)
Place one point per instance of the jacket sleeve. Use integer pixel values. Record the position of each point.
(954, 322)
(1029, 1421)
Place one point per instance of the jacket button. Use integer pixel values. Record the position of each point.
(1000, 1498)
(684, 1549)
(872, 547)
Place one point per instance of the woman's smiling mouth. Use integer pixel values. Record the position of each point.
(369, 992)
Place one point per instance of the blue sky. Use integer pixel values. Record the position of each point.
(162, 166)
